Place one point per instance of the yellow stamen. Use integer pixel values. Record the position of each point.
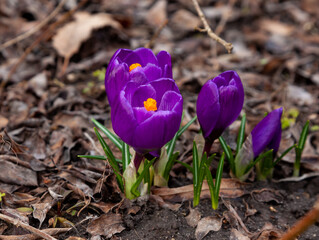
(150, 104)
(134, 65)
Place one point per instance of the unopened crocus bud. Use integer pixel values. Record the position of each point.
(265, 136)
(219, 104)
(267, 133)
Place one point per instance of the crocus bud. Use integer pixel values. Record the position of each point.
(219, 104)
(267, 133)
(265, 136)
(146, 105)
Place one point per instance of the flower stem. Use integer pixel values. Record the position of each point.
(138, 159)
(208, 146)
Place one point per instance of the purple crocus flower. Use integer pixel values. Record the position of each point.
(218, 105)
(140, 64)
(267, 133)
(146, 105)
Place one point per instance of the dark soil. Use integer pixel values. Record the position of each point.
(290, 203)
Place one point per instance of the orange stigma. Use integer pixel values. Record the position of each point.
(134, 65)
(150, 104)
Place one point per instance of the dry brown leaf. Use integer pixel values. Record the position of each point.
(75, 238)
(157, 14)
(106, 225)
(163, 204)
(268, 231)
(105, 207)
(66, 119)
(230, 188)
(276, 27)
(38, 84)
(207, 224)
(16, 174)
(184, 21)
(3, 122)
(237, 221)
(267, 195)
(193, 217)
(237, 235)
(3, 227)
(68, 39)
(16, 214)
(40, 210)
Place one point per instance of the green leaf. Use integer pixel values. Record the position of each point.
(169, 165)
(202, 168)
(98, 157)
(299, 148)
(170, 150)
(201, 175)
(27, 210)
(171, 147)
(229, 154)
(283, 154)
(111, 160)
(109, 134)
(219, 174)
(241, 134)
(264, 168)
(134, 190)
(195, 175)
(186, 166)
(303, 136)
(211, 185)
(183, 129)
(210, 159)
(195, 165)
(260, 157)
(126, 156)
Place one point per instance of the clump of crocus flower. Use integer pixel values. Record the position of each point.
(218, 105)
(146, 111)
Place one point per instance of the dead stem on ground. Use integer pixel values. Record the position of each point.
(303, 224)
(19, 223)
(209, 31)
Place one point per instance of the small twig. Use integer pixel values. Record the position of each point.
(34, 29)
(19, 223)
(50, 231)
(15, 160)
(209, 31)
(158, 31)
(303, 224)
(297, 179)
(225, 16)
